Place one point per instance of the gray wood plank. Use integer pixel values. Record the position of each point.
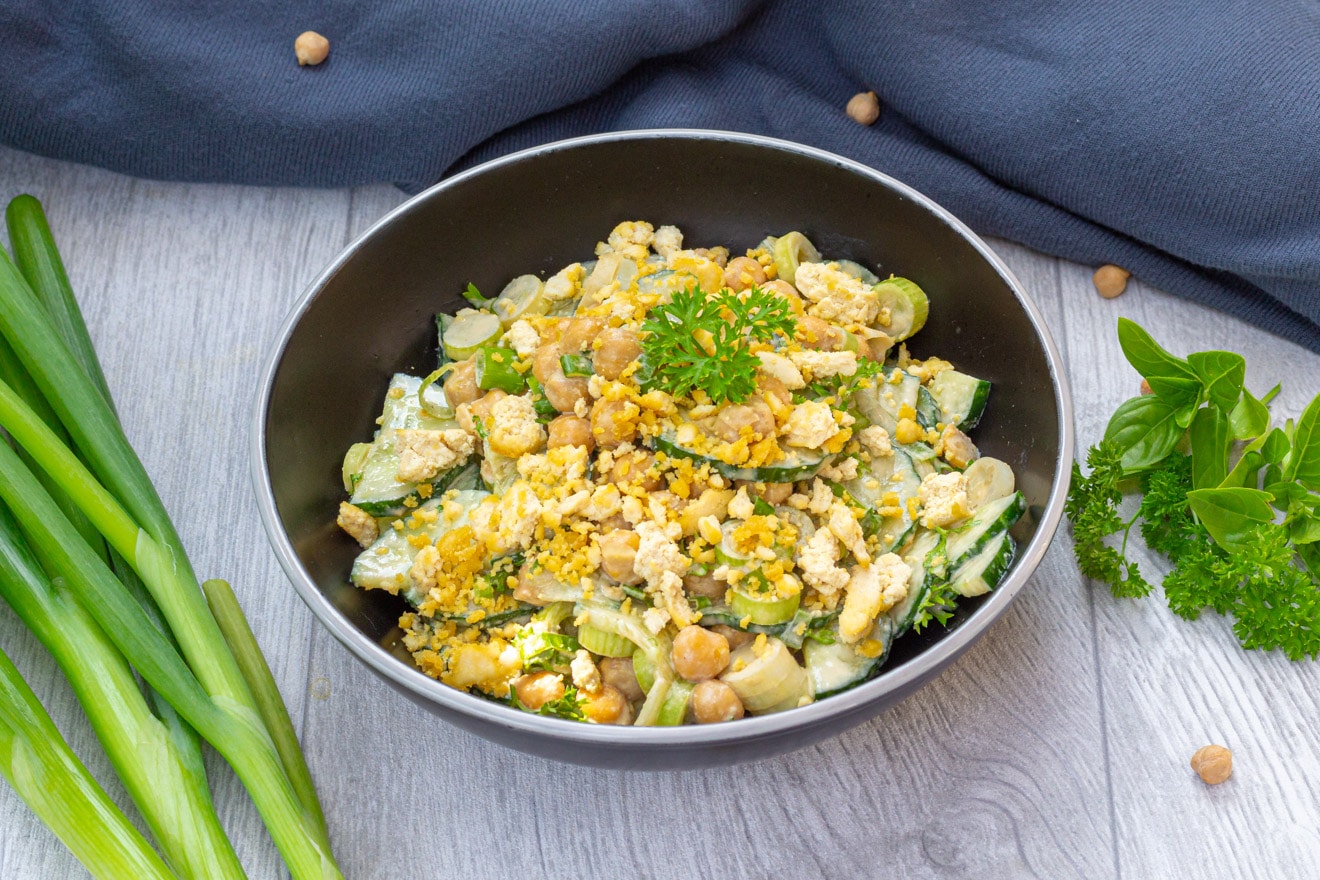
(995, 770)
(184, 288)
(1170, 686)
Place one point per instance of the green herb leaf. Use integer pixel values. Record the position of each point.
(700, 341)
(1304, 459)
(1229, 515)
(1092, 507)
(1222, 372)
(1145, 429)
(1210, 443)
(1246, 472)
(1179, 391)
(472, 295)
(1149, 359)
(1249, 418)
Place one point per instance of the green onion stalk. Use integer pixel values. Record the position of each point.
(38, 259)
(40, 766)
(206, 686)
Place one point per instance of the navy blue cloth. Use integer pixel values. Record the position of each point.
(1178, 139)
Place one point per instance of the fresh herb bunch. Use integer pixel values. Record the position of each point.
(1232, 501)
(701, 341)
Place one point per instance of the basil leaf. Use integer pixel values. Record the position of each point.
(1210, 442)
(1276, 445)
(1229, 515)
(1223, 373)
(1305, 528)
(1146, 429)
(1249, 418)
(1304, 460)
(1310, 555)
(1177, 390)
(1246, 472)
(1146, 355)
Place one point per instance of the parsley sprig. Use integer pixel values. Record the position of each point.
(701, 340)
(1238, 517)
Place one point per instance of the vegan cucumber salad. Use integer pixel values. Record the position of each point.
(666, 486)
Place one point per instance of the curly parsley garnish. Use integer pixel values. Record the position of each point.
(700, 341)
(1240, 524)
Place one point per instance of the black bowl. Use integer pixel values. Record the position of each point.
(370, 314)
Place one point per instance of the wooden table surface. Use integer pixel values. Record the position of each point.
(1057, 747)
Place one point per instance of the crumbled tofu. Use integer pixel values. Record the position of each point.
(817, 559)
(515, 430)
(423, 454)
(667, 241)
(741, 506)
(668, 593)
(657, 553)
(524, 338)
(586, 677)
(509, 523)
(875, 440)
(605, 502)
(810, 425)
(841, 471)
(835, 295)
(871, 590)
(822, 364)
(655, 618)
(426, 568)
(776, 366)
(631, 239)
(943, 499)
(957, 448)
(565, 284)
(821, 497)
(844, 526)
(359, 524)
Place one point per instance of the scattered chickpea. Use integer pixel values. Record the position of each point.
(699, 654)
(864, 107)
(311, 48)
(609, 706)
(618, 673)
(1213, 764)
(742, 273)
(714, 701)
(618, 552)
(461, 384)
(619, 347)
(570, 430)
(1110, 280)
(539, 688)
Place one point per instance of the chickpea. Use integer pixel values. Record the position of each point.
(704, 585)
(609, 431)
(735, 637)
(608, 706)
(537, 689)
(742, 273)
(864, 107)
(782, 288)
(580, 333)
(1213, 763)
(630, 468)
(311, 48)
(699, 653)
(1110, 280)
(564, 392)
(570, 430)
(812, 332)
(714, 701)
(618, 673)
(770, 385)
(461, 383)
(618, 551)
(545, 363)
(730, 421)
(618, 348)
(775, 493)
(481, 409)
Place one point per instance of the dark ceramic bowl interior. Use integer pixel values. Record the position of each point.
(371, 313)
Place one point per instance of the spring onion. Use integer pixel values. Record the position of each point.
(495, 369)
(576, 365)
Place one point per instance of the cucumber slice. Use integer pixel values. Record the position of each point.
(798, 465)
(354, 460)
(379, 492)
(675, 707)
(988, 479)
(387, 564)
(982, 573)
(928, 561)
(597, 641)
(838, 666)
(961, 398)
(895, 473)
(644, 669)
(522, 297)
(907, 306)
(791, 249)
(858, 271)
(726, 552)
(928, 409)
(987, 523)
(469, 331)
(764, 610)
(882, 402)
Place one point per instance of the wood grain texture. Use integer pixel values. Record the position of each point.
(1056, 747)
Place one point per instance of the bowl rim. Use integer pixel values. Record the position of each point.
(900, 679)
